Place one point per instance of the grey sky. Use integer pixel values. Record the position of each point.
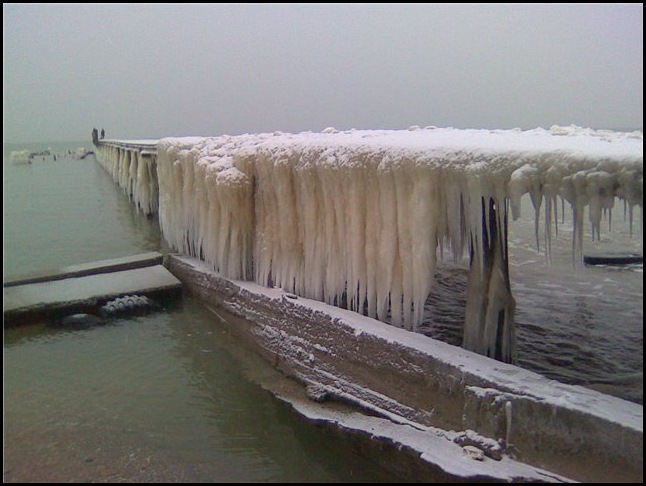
(150, 71)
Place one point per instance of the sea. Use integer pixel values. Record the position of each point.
(175, 396)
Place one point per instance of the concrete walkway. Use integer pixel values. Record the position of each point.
(82, 288)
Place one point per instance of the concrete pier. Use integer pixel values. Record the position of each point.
(133, 166)
(512, 416)
(93, 268)
(83, 288)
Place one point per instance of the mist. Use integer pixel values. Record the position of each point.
(152, 71)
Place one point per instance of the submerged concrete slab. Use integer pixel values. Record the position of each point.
(92, 268)
(471, 401)
(83, 294)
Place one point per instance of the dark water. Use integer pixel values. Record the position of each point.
(578, 324)
(168, 397)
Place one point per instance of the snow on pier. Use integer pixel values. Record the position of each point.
(132, 165)
(359, 218)
(85, 287)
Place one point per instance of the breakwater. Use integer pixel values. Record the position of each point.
(132, 165)
(300, 214)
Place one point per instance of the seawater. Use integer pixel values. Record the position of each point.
(168, 397)
(172, 396)
(578, 324)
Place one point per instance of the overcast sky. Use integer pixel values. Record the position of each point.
(150, 71)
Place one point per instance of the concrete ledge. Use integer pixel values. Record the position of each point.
(53, 299)
(419, 382)
(93, 268)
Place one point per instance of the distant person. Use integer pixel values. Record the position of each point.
(102, 133)
(95, 136)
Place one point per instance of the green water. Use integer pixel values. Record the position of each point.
(156, 398)
(68, 211)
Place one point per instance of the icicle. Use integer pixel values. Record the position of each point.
(599, 194)
(387, 252)
(132, 175)
(526, 179)
(553, 178)
(630, 189)
(548, 227)
(489, 319)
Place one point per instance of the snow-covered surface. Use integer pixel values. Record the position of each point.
(560, 413)
(435, 446)
(59, 292)
(20, 156)
(149, 142)
(509, 378)
(102, 266)
(363, 215)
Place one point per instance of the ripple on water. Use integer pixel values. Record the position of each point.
(564, 331)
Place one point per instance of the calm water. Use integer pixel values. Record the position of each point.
(67, 211)
(172, 396)
(169, 397)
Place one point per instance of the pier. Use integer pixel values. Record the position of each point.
(133, 165)
(84, 288)
(245, 215)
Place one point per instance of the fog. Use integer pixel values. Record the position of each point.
(151, 71)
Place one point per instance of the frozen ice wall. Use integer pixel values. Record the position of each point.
(20, 157)
(359, 218)
(133, 166)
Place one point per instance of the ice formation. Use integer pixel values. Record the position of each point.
(135, 171)
(26, 156)
(358, 218)
(20, 156)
